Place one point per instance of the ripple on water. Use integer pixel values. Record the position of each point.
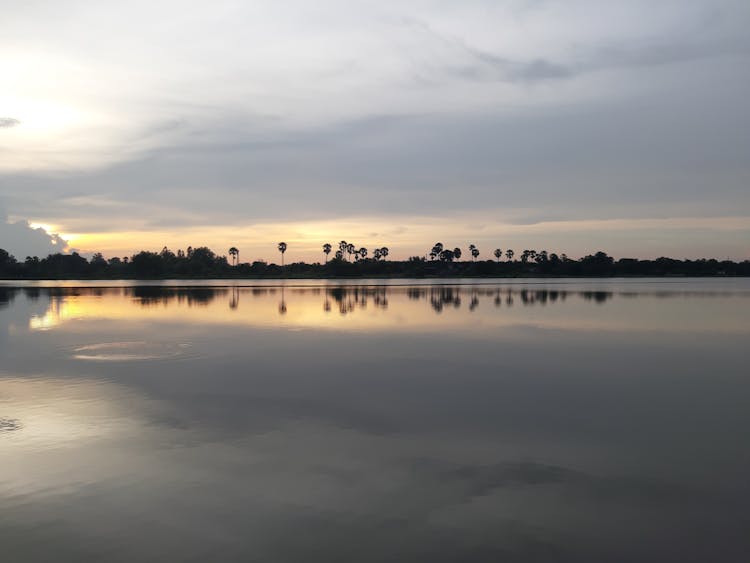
(9, 424)
(129, 351)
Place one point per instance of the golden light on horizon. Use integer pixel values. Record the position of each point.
(406, 237)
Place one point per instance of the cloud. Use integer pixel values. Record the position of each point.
(700, 35)
(20, 239)
(8, 122)
(539, 110)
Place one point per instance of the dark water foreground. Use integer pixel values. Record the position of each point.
(553, 421)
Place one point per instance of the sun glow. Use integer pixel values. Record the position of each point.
(61, 240)
(44, 226)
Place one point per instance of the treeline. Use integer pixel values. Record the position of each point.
(202, 262)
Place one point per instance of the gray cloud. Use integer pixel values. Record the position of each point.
(8, 122)
(703, 36)
(663, 156)
(429, 112)
(21, 240)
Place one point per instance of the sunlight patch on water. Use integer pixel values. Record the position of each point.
(59, 434)
(52, 412)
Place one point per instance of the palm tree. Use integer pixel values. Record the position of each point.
(235, 254)
(457, 253)
(509, 254)
(384, 252)
(282, 249)
(362, 253)
(474, 252)
(327, 250)
(350, 250)
(498, 253)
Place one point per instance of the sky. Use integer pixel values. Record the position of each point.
(571, 126)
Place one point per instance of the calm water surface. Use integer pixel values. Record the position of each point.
(529, 421)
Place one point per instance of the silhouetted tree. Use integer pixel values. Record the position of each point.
(380, 253)
(202, 262)
(98, 261)
(447, 255)
(5, 257)
(235, 254)
(509, 254)
(436, 250)
(457, 253)
(327, 250)
(498, 253)
(282, 249)
(474, 252)
(147, 264)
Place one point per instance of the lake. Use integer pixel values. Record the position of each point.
(470, 420)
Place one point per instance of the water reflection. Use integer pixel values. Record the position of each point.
(351, 422)
(348, 298)
(370, 307)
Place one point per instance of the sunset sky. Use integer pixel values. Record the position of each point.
(569, 125)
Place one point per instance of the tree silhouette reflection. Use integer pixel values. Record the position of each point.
(282, 303)
(351, 298)
(344, 298)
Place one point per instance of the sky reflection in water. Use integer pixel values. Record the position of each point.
(574, 421)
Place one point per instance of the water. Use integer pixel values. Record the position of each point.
(567, 420)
